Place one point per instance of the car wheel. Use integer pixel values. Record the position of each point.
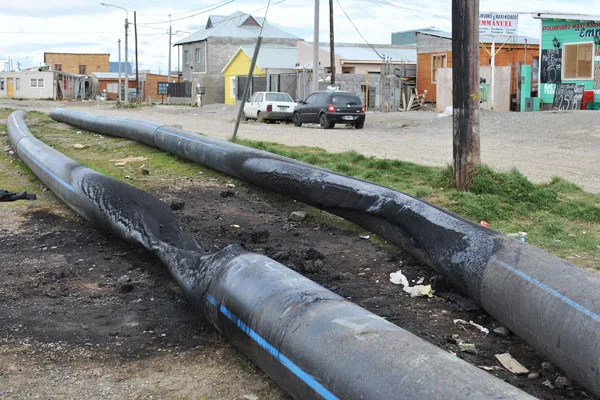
(259, 117)
(324, 123)
(296, 120)
(359, 125)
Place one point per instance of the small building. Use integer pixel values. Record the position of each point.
(109, 82)
(77, 63)
(205, 53)
(149, 85)
(113, 66)
(42, 83)
(151, 90)
(434, 52)
(569, 53)
(355, 58)
(272, 62)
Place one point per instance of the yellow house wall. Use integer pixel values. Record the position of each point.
(239, 66)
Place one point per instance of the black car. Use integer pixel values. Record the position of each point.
(330, 108)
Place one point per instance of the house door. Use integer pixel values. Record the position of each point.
(10, 88)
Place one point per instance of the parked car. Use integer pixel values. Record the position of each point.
(269, 106)
(328, 108)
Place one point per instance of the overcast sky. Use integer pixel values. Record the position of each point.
(31, 27)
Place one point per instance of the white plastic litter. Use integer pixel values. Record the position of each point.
(448, 111)
(481, 328)
(398, 278)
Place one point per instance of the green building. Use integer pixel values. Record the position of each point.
(569, 53)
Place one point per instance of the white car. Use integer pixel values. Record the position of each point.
(269, 106)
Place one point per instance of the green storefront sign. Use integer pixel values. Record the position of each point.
(570, 53)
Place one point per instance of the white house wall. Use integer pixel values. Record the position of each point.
(25, 90)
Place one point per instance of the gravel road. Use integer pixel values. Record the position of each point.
(540, 145)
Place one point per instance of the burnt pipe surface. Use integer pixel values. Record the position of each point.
(448, 243)
(476, 260)
(243, 281)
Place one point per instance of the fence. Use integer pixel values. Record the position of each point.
(179, 89)
(285, 83)
(258, 84)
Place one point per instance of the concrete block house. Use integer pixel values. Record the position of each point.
(206, 52)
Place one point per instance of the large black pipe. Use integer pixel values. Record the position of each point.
(551, 304)
(312, 342)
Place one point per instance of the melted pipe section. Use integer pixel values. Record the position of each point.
(312, 342)
(551, 304)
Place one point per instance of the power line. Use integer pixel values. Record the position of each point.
(250, 12)
(355, 4)
(193, 15)
(417, 12)
(361, 35)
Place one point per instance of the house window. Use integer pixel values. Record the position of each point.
(58, 67)
(437, 61)
(201, 58)
(40, 83)
(2, 84)
(233, 87)
(33, 82)
(186, 57)
(577, 62)
(536, 69)
(82, 69)
(112, 87)
(17, 83)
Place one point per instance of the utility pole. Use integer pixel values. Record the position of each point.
(137, 76)
(331, 44)
(120, 97)
(315, 68)
(126, 64)
(169, 68)
(246, 87)
(465, 88)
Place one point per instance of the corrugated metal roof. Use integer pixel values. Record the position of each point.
(567, 16)
(231, 26)
(487, 38)
(280, 57)
(111, 75)
(368, 54)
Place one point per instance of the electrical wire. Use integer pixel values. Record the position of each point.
(361, 35)
(355, 4)
(193, 15)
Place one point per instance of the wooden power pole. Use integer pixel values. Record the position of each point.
(465, 90)
(331, 43)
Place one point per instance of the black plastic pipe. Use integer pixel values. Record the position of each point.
(312, 342)
(551, 304)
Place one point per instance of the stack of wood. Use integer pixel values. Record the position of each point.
(416, 101)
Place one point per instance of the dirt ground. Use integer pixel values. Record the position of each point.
(86, 316)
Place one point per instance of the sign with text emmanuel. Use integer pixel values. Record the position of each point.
(498, 23)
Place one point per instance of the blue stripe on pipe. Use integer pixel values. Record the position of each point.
(286, 362)
(46, 170)
(551, 291)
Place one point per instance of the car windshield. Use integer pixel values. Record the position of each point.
(279, 97)
(345, 100)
